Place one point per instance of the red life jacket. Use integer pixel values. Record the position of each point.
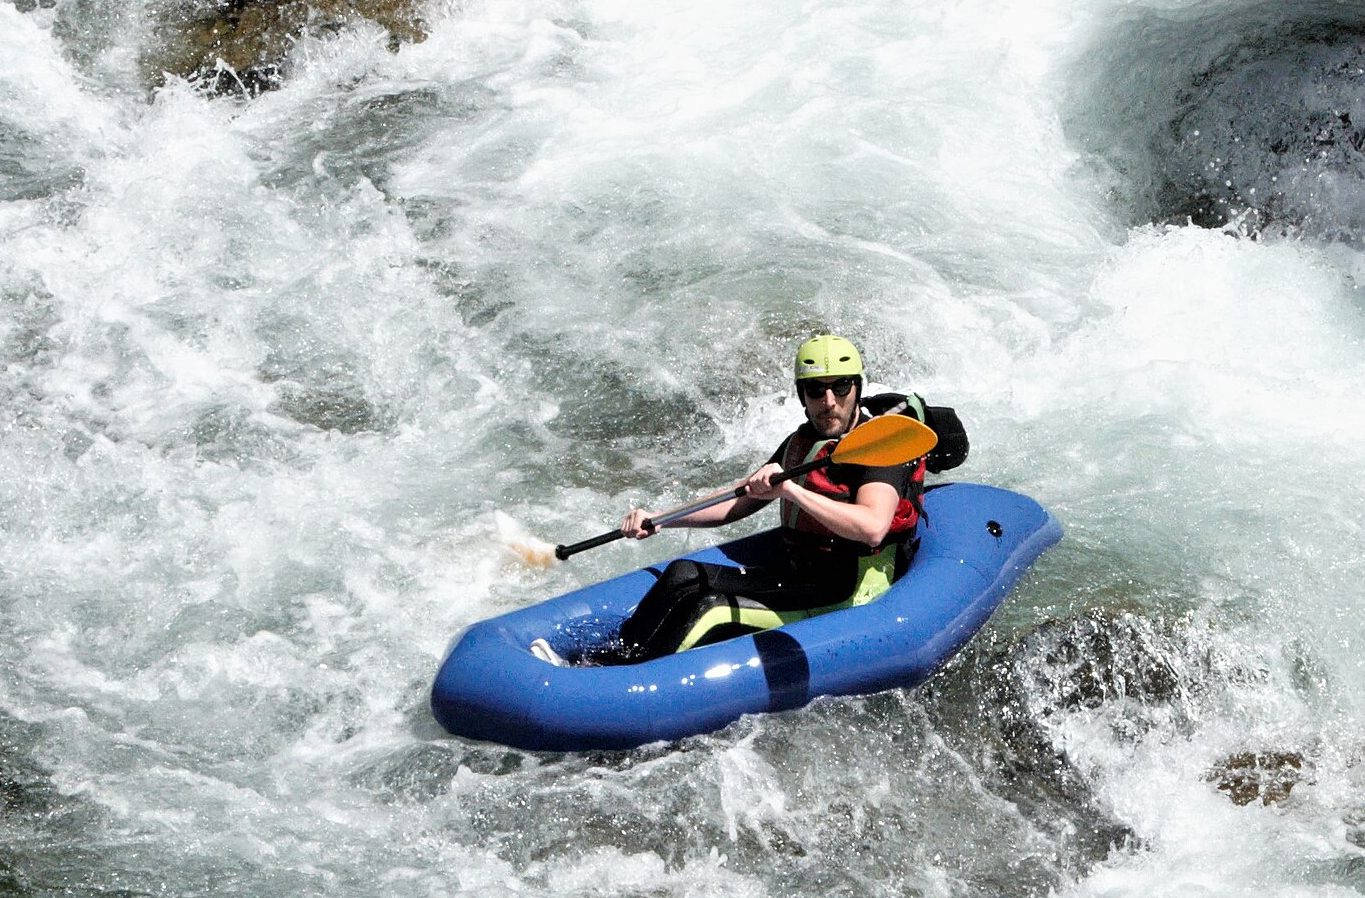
(804, 446)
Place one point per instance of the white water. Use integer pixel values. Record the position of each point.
(271, 368)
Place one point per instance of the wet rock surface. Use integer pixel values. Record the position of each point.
(1267, 776)
(1252, 122)
(242, 46)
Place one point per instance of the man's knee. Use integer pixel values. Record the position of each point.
(682, 575)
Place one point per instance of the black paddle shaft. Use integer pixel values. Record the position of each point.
(563, 552)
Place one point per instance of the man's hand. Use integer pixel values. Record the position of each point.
(760, 485)
(633, 524)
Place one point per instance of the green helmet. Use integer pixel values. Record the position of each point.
(828, 356)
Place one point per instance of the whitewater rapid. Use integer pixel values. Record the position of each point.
(279, 372)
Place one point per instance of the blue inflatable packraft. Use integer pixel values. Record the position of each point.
(976, 541)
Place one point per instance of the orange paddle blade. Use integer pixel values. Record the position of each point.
(888, 440)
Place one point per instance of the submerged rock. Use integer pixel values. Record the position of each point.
(241, 45)
(25, 787)
(1268, 776)
(1355, 826)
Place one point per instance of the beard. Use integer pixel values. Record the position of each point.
(832, 423)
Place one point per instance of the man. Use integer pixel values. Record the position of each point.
(849, 529)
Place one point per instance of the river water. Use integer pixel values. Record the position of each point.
(281, 375)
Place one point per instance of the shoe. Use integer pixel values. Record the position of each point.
(541, 649)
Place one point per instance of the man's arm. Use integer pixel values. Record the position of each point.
(867, 519)
(633, 525)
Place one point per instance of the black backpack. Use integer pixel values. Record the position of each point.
(952, 447)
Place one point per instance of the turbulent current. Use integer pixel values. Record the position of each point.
(281, 372)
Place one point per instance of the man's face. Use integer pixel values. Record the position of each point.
(831, 403)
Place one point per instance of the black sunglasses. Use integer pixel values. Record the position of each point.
(815, 389)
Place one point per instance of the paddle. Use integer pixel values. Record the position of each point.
(884, 441)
